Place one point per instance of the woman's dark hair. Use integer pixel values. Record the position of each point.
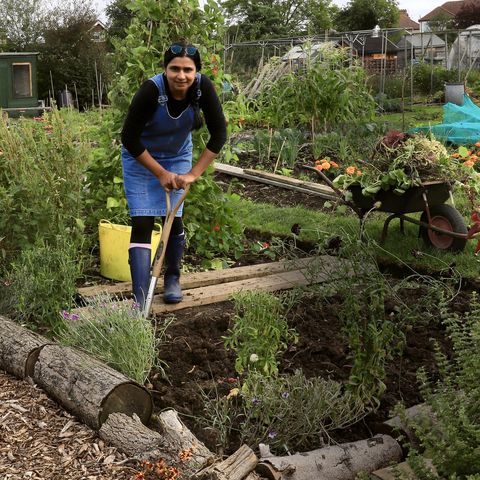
(183, 51)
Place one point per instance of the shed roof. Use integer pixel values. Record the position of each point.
(419, 40)
(17, 54)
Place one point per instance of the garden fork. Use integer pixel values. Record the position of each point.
(162, 246)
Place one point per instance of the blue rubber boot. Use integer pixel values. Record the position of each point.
(172, 292)
(140, 260)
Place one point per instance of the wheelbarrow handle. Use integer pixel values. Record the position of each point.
(162, 247)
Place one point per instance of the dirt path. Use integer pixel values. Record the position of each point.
(39, 440)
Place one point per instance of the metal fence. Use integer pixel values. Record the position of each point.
(388, 55)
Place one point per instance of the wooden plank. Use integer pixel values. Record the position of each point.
(270, 283)
(329, 268)
(279, 181)
(211, 277)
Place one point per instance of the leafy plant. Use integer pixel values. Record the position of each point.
(42, 282)
(452, 442)
(115, 332)
(331, 95)
(260, 332)
(42, 166)
(287, 412)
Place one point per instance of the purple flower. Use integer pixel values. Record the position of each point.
(65, 314)
(285, 394)
(135, 306)
(74, 316)
(272, 434)
(255, 401)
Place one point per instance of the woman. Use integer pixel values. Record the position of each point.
(157, 158)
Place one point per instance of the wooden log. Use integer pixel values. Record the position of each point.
(19, 348)
(236, 467)
(420, 413)
(174, 443)
(336, 462)
(88, 388)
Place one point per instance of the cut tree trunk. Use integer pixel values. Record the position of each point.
(174, 443)
(236, 467)
(337, 462)
(19, 348)
(88, 388)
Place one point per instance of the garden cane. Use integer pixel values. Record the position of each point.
(160, 253)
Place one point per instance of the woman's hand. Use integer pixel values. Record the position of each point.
(169, 181)
(186, 179)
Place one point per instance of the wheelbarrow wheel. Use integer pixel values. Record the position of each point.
(447, 218)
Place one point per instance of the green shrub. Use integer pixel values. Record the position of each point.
(42, 282)
(287, 412)
(428, 79)
(42, 168)
(115, 332)
(453, 440)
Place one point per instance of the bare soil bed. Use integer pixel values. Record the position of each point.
(197, 360)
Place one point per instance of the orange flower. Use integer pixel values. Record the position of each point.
(318, 162)
(215, 71)
(477, 144)
(350, 170)
(474, 157)
(319, 167)
(334, 164)
(469, 163)
(359, 172)
(216, 228)
(325, 165)
(456, 155)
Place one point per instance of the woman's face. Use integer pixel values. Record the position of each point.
(180, 74)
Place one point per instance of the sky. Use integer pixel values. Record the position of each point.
(415, 8)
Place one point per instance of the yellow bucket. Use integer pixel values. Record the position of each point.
(114, 243)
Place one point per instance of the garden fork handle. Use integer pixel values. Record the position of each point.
(162, 247)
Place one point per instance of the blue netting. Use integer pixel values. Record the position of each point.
(461, 124)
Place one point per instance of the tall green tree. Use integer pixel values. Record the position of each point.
(468, 15)
(22, 23)
(119, 18)
(365, 14)
(259, 19)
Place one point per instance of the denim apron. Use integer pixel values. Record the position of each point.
(169, 140)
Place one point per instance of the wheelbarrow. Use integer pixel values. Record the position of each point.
(441, 225)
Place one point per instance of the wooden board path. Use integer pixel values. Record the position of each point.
(218, 286)
(290, 183)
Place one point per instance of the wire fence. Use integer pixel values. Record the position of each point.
(400, 62)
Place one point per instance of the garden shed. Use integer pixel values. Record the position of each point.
(18, 83)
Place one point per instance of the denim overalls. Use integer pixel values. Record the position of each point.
(169, 141)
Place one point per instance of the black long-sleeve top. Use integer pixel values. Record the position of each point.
(145, 102)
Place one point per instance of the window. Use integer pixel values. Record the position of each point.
(22, 80)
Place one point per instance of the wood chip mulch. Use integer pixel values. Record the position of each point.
(39, 440)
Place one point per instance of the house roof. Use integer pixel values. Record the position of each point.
(405, 21)
(448, 8)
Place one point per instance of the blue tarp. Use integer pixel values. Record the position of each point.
(461, 124)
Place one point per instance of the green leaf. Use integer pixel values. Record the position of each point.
(112, 202)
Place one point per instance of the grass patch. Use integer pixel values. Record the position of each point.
(413, 116)
(317, 227)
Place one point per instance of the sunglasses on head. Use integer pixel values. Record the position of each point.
(176, 49)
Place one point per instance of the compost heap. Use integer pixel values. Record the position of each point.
(399, 162)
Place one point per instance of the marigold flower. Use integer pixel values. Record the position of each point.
(469, 163)
(333, 164)
(456, 155)
(350, 170)
(318, 162)
(325, 165)
(319, 167)
(233, 392)
(477, 144)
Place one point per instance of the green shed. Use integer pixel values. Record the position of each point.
(18, 83)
